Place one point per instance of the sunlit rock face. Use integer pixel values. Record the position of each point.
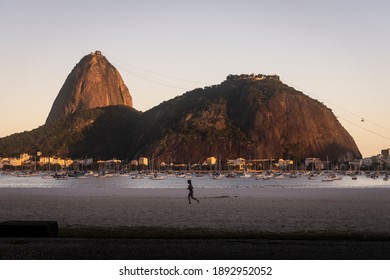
(248, 116)
(94, 82)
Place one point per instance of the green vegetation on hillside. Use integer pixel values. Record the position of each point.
(101, 132)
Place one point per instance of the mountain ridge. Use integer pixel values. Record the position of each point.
(248, 116)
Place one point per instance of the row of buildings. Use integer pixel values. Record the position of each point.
(39, 162)
(29, 161)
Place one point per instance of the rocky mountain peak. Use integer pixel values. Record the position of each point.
(249, 116)
(93, 82)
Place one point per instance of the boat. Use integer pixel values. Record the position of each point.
(259, 176)
(25, 174)
(184, 175)
(137, 176)
(158, 176)
(263, 176)
(327, 179)
(231, 175)
(216, 176)
(279, 176)
(354, 177)
(337, 177)
(47, 176)
(374, 175)
(60, 176)
(246, 175)
(105, 175)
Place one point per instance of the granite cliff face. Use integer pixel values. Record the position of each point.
(254, 117)
(93, 83)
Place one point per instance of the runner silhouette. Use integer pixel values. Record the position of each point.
(191, 192)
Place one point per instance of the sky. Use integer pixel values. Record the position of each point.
(335, 51)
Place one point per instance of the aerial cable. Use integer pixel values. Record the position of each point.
(362, 118)
(152, 81)
(157, 73)
(197, 82)
(378, 125)
(373, 132)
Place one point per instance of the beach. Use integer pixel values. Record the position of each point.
(269, 211)
(230, 214)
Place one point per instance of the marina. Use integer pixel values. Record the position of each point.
(288, 208)
(201, 180)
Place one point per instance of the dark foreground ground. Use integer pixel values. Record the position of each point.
(184, 249)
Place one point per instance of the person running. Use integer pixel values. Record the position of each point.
(191, 192)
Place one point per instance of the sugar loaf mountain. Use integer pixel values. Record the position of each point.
(248, 116)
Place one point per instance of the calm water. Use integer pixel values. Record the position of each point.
(8, 181)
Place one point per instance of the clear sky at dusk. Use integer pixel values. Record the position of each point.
(335, 51)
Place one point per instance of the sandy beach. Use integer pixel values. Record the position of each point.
(228, 223)
(275, 211)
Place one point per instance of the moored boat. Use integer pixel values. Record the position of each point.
(60, 176)
(246, 175)
(217, 176)
(158, 176)
(327, 179)
(137, 176)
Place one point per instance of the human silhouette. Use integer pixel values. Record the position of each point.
(191, 192)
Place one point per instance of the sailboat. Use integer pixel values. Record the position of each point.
(158, 176)
(327, 179)
(48, 175)
(246, 175)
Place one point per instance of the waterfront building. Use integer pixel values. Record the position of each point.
(314, 163)
(356, 164)
(211, 160)
(143, 161)
(55, 160)
(367, 162)
(385, 153)
(238, 162)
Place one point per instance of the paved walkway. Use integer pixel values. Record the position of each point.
(207, 249)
